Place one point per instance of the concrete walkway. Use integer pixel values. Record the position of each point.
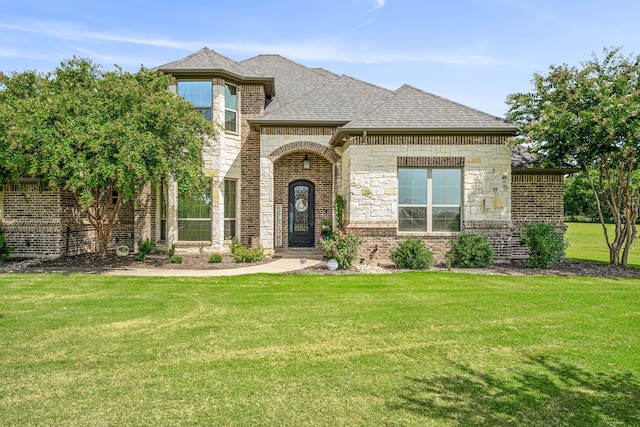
(284, 261)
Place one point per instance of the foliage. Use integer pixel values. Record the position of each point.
(175, 259)
(102, 135)
(589, 117)
(242, 254)
(579, 201)
(338, 206)
(215, 258)
(145, 247)
(470, 250)
(412, 253)
(343, 247)
(326, 230)
(5, 249)
(546, 245)
(171, 251)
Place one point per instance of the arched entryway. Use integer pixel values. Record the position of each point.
(301, 221)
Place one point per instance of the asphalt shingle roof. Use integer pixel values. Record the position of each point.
(292, 79)
(410, 107)
(207, 60)
(342, 99)
(317, 95)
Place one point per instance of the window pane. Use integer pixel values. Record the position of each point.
(229, 199)
(412, 219)
(446, 185)
(194, 217)
(446, 219)
(194, 230)
(412, 185)
(230, 97)
(229, 229)
(230, 123)
(198, 93)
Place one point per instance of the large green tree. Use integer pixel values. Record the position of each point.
(589, 116)
(99, 134)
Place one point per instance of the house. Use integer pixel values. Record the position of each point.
(406, 163)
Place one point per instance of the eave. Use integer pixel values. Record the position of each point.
(339, 136)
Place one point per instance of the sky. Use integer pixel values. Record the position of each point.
(474, 52)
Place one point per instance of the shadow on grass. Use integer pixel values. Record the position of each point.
(547, 393)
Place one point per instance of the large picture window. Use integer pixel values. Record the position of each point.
(230, 108)
(194, 217)
(229, 209)
(199, 93)
(429, 199)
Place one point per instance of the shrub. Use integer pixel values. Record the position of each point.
(546, 245)
(171, 251)
(144, 248)
(241, 254)
(215, 258)
(412, 253)
(470, 250)
(175, 259)
(343, 247)
(5, 249)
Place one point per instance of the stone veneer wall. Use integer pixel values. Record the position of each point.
(370, 168)
(287, 169)
(252, 101)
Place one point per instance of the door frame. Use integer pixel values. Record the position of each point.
(292, 241)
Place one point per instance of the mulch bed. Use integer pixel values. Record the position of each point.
(91, 263)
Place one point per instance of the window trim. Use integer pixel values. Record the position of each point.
(429, 205)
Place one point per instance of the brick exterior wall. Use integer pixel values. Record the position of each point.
(287, 169)
(535, 197)
(252, 101)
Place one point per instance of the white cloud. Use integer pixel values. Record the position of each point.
(379, 4)
(334, 50)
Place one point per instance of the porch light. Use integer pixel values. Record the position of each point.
(306, 165)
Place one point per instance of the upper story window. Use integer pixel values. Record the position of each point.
(429, 199)
(230, 108)
(199, 93)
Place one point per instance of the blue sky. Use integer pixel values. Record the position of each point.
(471, 51)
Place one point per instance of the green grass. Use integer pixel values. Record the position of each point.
(587, 243)
(410, 349)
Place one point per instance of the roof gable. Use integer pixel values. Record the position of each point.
(206, 60)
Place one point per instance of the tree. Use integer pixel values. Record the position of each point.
(579, 200)
(102, 135)
(589, 117)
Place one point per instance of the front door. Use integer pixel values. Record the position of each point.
(301, 214)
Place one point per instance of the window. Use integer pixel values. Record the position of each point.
(429, 199)
(230, 108)
(198, 93)
(229, 209)
(194, 217)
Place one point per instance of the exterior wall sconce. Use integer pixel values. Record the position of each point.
(306, 164)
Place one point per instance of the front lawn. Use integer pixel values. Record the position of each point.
(404, 349)
(587, 243)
